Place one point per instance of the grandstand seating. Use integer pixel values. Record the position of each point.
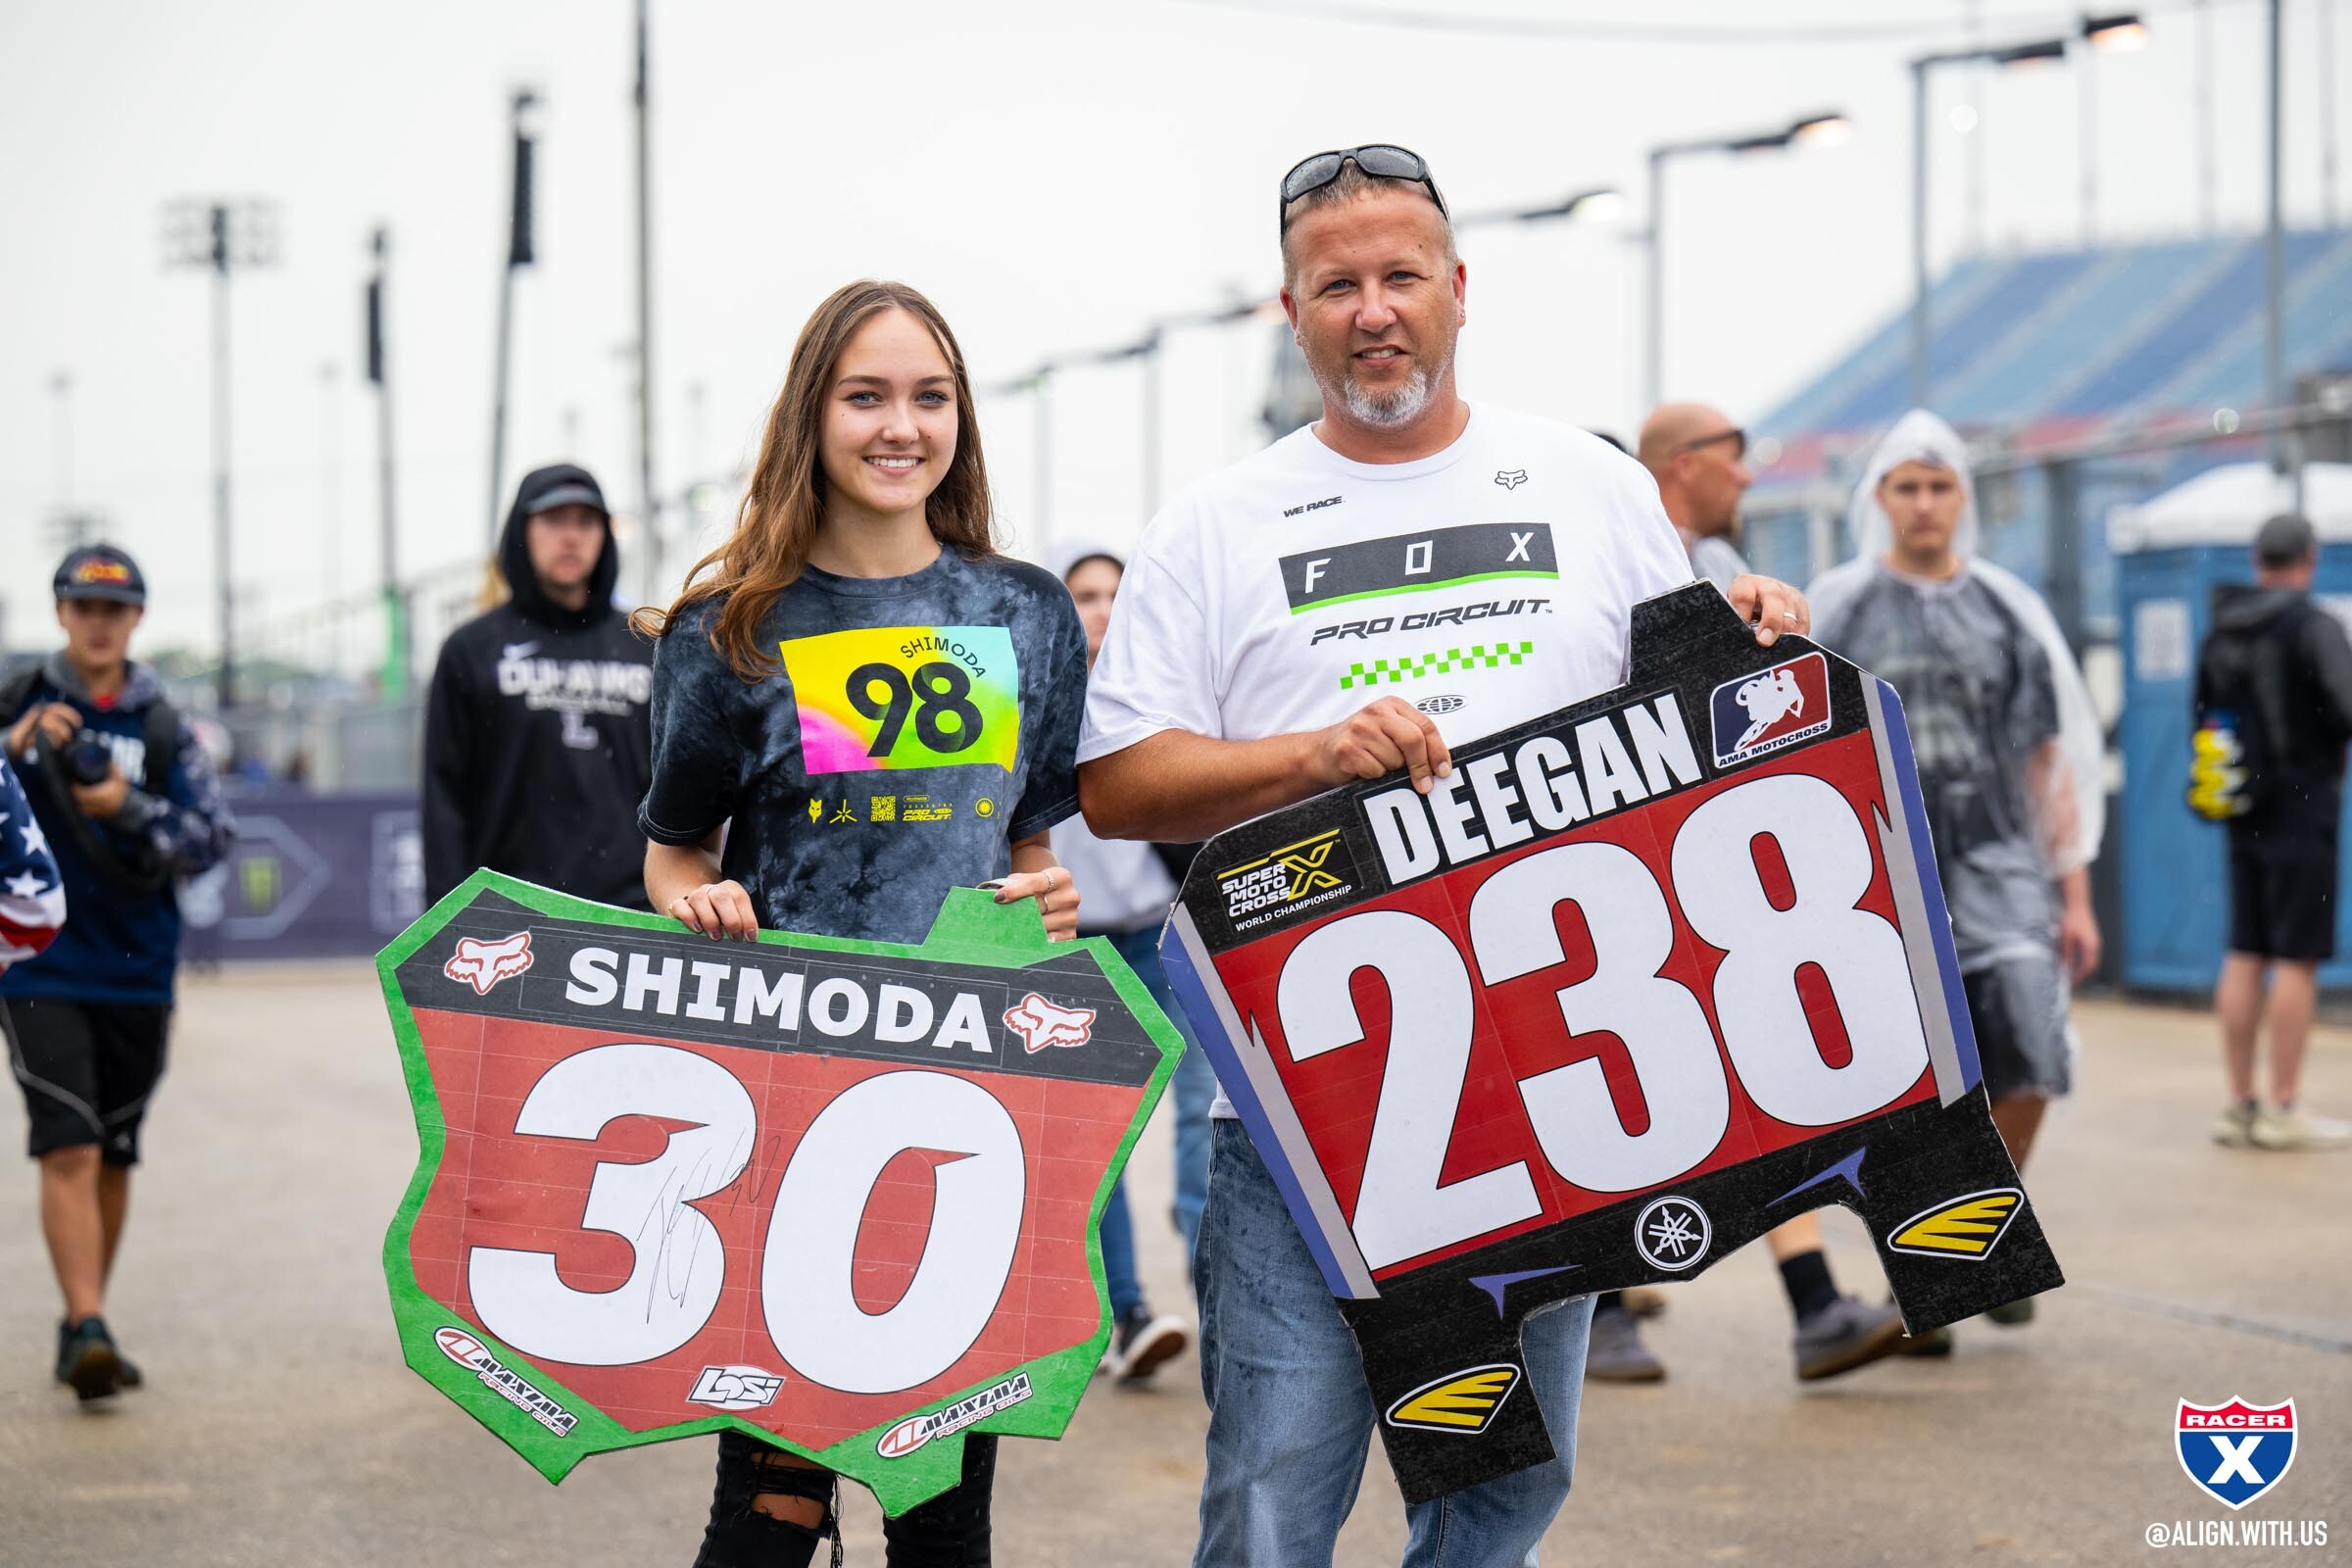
(2059, 343)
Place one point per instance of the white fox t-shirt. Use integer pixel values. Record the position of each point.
(1491, 583)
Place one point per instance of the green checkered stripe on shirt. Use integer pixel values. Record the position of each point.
(1478, 656)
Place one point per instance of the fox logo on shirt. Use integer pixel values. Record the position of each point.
(1041, 1023)
(1761, 712)
(483, 964)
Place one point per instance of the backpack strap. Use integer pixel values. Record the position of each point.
(14, 691)
(161, 727)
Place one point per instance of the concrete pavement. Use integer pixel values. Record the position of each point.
(279, 1426)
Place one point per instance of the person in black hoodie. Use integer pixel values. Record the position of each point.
(538, 736)
(2276, 669)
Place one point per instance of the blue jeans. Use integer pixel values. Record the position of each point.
(1289, 1415)
(1194, 1087)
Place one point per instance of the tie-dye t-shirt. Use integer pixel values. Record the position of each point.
(919, 726)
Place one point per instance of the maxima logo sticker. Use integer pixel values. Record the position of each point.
(461, 1347)
(916, 1430)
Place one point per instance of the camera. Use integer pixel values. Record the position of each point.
(87, 761)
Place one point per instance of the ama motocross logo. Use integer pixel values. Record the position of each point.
(483, 964)
(1757, 714)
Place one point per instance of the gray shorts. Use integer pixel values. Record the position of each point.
(2018, 1008)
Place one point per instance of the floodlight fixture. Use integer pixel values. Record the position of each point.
(2121, 33)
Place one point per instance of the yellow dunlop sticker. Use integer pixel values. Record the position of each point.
(1462, 1403)
(1965, 1227)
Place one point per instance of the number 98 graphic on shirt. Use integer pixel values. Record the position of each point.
(901, 697)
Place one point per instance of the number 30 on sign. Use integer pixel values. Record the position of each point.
(839, 1195)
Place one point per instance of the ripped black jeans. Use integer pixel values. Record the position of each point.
(950, 1531)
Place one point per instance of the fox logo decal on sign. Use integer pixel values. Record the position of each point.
(1040, 1024)
(483, 964)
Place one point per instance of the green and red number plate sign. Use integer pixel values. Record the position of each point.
(1642, 980)
(839, 1195)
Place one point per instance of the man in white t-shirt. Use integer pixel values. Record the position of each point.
(1407, 568)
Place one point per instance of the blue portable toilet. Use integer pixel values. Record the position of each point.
(2170, 553)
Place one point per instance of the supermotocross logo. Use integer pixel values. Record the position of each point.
(1308, 872)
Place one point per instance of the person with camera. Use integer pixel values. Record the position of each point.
(123, 796)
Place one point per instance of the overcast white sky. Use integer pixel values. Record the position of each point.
(1055, 174)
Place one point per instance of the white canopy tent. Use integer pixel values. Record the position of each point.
(2224, 506)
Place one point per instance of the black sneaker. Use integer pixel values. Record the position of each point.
(1616, 1355)
(87, 1359)
(1141, 1343)
(127, 1373)
(1844, 1335)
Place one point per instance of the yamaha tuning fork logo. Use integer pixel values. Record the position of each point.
(1759, 714)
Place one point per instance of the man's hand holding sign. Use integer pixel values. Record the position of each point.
(1608, 996)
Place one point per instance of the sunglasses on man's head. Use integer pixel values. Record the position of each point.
(1311, 174)
(1738, 437)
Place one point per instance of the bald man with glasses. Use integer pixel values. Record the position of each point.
(1699, 459)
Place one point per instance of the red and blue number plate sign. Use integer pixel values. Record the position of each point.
(839, 1195)
(1640, 981)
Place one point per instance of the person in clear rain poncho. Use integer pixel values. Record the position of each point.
(2008, 750)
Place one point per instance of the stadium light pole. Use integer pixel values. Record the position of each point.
(1146, 352)
(221, 237)
(393, 680)
(2121, 31)
(520, 254)
(2274, 260)
(1812, 130)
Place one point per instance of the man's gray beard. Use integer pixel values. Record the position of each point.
(1387, 410)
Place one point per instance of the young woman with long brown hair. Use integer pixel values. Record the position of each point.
(866, 706)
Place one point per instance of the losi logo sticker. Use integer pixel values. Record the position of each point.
(483, 964)
(1759, 714)
(1041, 1023)
(916, 1430)
(736, 1387)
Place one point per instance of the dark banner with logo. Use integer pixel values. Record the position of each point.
(311, 876)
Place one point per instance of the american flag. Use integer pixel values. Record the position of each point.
(33, 901)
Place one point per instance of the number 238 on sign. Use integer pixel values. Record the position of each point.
(1642, 980)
